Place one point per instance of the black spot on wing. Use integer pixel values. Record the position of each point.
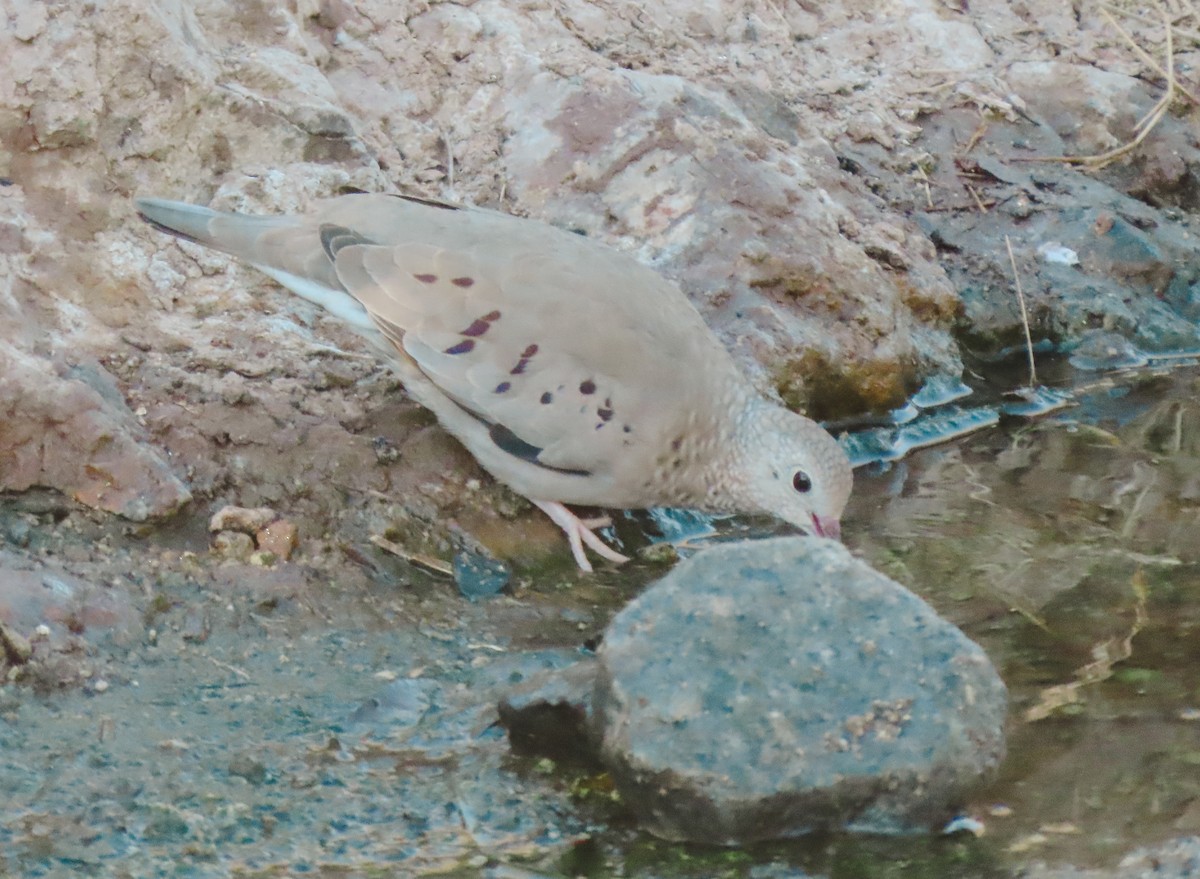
(428, 202)
(163, 228)
(526, 356)
(334, 238)
(509, 442)
(480, 325)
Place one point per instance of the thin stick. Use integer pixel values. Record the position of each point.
(1145, 19)
(925, 183)
(233, 668)
(1151, 119)
(1024, 314)
(1169, 72)
(978, 201)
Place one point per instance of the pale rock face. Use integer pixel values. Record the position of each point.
(697, 137)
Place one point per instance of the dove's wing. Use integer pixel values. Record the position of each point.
(581, 366)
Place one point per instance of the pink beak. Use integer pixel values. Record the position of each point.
(827, 526)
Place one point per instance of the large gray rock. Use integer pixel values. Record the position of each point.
(773, 688)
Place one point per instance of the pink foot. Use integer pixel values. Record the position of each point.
(578, 533)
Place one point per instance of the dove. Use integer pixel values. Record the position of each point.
(572, 372)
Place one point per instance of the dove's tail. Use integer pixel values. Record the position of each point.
(236, 234)
(285, 248)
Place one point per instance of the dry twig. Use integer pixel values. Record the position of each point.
(1147, 123)
(1024, 314)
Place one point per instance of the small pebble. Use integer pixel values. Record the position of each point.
(15, 646)
(659, 554)
(478, 575)
(19, 532)
(279, 538)
(385, 451)
(100, 686)
(233, 545)
(244, 519)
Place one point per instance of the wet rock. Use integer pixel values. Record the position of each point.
(396, 708)
(478, 575)
(551, 714)
(1100, 350)
(774, 688)
(1095, 249)
(165, 823)
(248, 767)
(196, 626)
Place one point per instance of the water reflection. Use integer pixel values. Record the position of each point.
(1069, 547)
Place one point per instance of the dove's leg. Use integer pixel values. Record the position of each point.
(578, 534)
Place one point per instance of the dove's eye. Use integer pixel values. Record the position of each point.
(801, 482)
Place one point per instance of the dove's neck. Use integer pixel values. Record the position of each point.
(729, 479)
(710, 469)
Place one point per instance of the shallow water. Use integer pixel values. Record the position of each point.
(1068, 548)
(346, 730)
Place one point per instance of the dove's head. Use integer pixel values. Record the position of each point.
(793, 469)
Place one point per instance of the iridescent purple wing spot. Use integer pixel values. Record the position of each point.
(526, 356)
(480, 325)
(463, 347)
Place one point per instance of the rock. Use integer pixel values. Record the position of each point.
(61, 433)
(478, 575)
(397, 707)
(233, 545)
(248, 521)
(774, 688)
(280, 538)
(551, 714)
(1101, 350)
(1132, 268)
(16, 647)
(33, 594)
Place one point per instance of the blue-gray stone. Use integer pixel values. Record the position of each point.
(772, 688)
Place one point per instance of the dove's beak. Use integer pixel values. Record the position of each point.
(827, 526)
